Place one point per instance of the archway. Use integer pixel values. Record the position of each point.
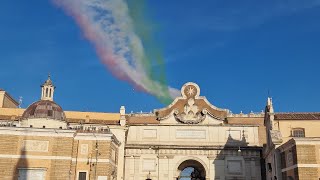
(191, 170)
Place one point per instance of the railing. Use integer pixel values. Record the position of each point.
(7, 124)
(81, 129)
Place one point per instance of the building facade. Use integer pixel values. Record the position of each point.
(38, 143)
(190, 139)
(292, 150)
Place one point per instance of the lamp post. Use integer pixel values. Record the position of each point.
(148, 177)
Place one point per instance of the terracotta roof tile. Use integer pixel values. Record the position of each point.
(298, 116)
(97, 121)
(44, 109)
(6, 117)
(142, 120)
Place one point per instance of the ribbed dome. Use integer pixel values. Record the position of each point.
(44, 109)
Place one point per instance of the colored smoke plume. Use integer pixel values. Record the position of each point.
(123, 42)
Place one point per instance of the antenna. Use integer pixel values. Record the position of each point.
(20, 101)
(268, 92)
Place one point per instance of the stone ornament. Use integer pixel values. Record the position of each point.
(191, 113)
(190, 90)
(276, 136)
(191, 108)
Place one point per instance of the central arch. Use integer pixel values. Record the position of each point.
(191, 170)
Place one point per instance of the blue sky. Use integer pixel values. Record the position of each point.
(236, 51)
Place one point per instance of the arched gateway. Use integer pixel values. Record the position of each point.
(191, 139)
(191, 170)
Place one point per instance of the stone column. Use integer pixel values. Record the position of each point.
(212, 169)
(129, 167)
(163, 167)
(136, 168)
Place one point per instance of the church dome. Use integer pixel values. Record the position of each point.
(44, 109)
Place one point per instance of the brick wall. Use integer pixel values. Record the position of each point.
(302, 155)
(306, 154)
(59, 169)
(308, 173)
(62, 146)
(7, 168)
(102, 168)
(8, 144)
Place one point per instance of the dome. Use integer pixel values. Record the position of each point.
(44, 109)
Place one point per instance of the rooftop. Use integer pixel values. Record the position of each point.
(297, 116)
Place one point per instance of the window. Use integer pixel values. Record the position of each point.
(269, 167)
(47, 92)
(82, 176)
(298, 132)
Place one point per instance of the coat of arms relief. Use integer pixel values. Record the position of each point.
(191, 113)
(191, 108)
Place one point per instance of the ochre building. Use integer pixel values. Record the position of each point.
(191, 139)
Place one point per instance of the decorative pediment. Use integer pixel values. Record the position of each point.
(191, 108)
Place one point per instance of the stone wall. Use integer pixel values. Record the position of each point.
(299, 159)
(258, 121)
(308, 173)
(306, 154)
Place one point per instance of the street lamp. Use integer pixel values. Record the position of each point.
(148, 177)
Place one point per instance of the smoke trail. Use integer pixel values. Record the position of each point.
(109, 27)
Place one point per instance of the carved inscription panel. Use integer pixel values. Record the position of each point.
(149, 165)
(149, 133)
(34, 174)
(35, 145)
(190, 134)
(102, 177)
(234, 167)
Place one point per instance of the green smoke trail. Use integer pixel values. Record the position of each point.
(152, 61)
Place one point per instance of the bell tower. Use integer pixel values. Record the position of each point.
(47, 89)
